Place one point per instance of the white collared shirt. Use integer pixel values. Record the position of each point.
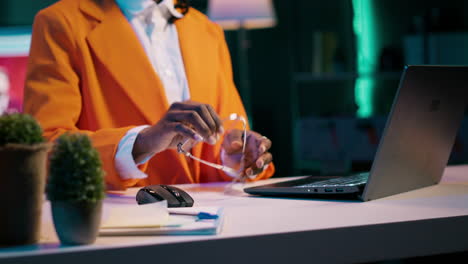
(161, 43)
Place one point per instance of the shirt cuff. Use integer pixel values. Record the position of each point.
(124, 162)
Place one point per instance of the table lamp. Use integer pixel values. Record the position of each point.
(242, 15)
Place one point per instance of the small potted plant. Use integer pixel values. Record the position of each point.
(23, 156)
(75, 189)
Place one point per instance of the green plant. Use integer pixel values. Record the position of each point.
(20, 129)
(75, 170)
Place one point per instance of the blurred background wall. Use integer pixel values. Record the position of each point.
(322, 80)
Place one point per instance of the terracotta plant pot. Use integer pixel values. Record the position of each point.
(76, 223)
(22, 182)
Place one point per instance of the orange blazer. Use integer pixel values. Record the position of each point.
(88, 72)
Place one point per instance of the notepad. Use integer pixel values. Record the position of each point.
(135, 216)
(176, 224)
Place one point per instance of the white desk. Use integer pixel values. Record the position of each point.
(428, 221)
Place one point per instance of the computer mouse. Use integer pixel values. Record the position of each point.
(174, 196)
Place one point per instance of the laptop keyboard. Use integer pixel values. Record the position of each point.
(353, 180)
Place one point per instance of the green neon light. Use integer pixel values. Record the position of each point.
(367, 55)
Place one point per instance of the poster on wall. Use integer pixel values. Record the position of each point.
(14, 50)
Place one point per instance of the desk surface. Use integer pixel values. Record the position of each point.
(428, 221)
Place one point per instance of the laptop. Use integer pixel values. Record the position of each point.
(415, 146)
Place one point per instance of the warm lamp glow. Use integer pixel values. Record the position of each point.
(233, 14)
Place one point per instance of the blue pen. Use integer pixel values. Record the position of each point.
(204, 215)
(200, 215)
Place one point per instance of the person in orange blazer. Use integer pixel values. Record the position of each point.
(88, 73)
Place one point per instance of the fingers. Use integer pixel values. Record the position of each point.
(264, 145)
(186, 131)
(260, 164)
(191, 119)
(233, 141)
(199, 117)
(257, 156)
(216, 119)
(205, 111)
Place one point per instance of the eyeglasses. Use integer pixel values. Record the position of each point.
(236, 174)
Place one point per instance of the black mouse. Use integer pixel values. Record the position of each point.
(154, 193)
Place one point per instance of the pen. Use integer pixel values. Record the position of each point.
(199, 215)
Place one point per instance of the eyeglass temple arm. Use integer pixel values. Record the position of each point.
(217, 166)
(232, 171)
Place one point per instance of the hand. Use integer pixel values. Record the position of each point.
(256, 155)
(185, 120)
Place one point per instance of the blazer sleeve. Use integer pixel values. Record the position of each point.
(52, 90)
(230, 101)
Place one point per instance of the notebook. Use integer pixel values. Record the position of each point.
(415, 146)
(180, 221)
(121, 218)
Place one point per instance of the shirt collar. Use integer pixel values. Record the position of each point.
(137, 7)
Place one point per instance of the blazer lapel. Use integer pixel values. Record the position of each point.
(200, 55)
(197, 48)
(117, 47)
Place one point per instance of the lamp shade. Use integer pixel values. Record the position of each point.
(233, 14)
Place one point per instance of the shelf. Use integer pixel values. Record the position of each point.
(344, 76)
